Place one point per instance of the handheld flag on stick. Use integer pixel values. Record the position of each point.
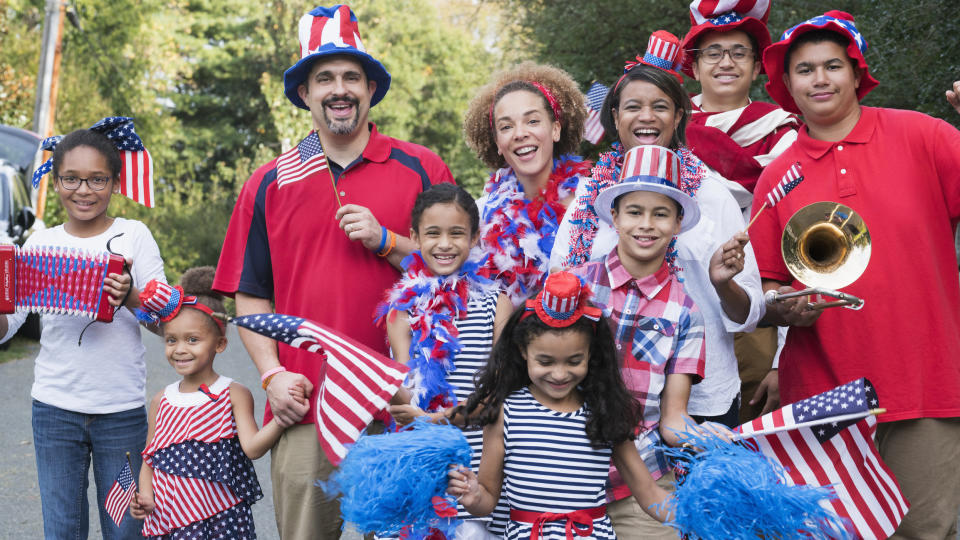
(593, 129)
(118, 498)
(355, 382)
(837, 452)
(304, 159)
(790, 180)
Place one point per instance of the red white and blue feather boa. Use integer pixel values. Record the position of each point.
(433, 304)
(518, 233)
(607, 173)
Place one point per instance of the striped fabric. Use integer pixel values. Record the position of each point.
(476, 339)
(187, 498)
(550, 466)
(301, 161)
(663, 50)
(652, 160)
(790, 179)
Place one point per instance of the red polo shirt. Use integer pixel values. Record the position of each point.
(284, 243)
(901, 171)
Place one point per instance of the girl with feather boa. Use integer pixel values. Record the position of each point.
(525, 125)
(442, 316)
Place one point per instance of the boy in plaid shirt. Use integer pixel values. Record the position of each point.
(656, 326)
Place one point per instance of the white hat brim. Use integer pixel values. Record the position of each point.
(604, 202)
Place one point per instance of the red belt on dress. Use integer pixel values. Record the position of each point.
(578, 521)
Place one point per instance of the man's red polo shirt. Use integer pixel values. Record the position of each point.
(901, 171)
(284, 243)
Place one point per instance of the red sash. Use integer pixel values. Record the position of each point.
(578, 521)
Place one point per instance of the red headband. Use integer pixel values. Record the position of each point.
(191, 301)
(554, 104)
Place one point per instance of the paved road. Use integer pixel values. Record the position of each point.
(20, 516)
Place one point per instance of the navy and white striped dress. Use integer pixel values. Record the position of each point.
(475, 334)
(550, 466)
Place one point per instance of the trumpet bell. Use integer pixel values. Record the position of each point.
(826, 244)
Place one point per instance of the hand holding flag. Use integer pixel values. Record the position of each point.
(790, 180)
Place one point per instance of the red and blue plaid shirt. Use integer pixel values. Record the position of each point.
(659, 332)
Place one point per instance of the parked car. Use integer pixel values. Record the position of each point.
(19, 150)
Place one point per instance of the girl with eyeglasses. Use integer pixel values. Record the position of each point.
(88, 399)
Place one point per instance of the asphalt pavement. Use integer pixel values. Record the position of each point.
(20, 516)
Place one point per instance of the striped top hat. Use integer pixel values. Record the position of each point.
(562, 301)
(649, 168)
(837, 21)
(748, 16)
(160, 301)
(328, 31)
(663, 52)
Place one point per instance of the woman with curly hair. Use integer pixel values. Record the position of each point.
(525, 125)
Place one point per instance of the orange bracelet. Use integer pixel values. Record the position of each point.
(393, 244)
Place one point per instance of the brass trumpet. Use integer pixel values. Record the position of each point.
(826, 246)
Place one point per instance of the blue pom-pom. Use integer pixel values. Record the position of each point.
(730, 491)
(390, 483)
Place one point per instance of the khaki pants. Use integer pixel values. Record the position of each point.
(630, 522)
(303, 511)
(924, 454)
(755, 352)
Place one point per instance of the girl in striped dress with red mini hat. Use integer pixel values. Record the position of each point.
(554, 412)
(197, 480)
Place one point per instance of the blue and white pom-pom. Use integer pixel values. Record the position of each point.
(395, 483)
(728, 491)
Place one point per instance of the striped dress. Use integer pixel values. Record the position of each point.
(203, 483)
(549, 466)
(476, 339)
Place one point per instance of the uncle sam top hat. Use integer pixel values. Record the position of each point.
(328, 31)
(649, 168)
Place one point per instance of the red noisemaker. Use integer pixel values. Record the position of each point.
(56, 280)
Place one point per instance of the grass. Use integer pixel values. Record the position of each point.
(17, 348)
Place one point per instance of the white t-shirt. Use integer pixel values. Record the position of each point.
(107, 373)
(720, 219)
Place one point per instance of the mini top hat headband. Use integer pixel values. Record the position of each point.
(136, 173)
(562, 301)
(650, 168)
(748, 16)
(663, 52)
(327, 31)
(547, 94)
(162, 302)
(836, 21)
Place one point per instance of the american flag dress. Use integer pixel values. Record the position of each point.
(203, 483)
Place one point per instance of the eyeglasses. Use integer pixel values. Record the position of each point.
(713, 55)
(72, 183)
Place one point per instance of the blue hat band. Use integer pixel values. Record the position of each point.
(171, 304)
(559, 315)
(645, 179)
(657, 61)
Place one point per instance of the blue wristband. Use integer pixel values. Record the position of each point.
(383, 239)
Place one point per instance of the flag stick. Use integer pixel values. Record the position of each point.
(130, 463)
(333, 183)
(755, 216)
(842, 418)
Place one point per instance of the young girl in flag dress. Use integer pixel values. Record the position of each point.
(88, 400)
(525, 125)
(442, 318)
(197, 480)
(554, 412)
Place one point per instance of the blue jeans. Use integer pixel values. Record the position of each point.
(64, 442)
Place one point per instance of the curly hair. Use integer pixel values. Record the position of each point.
(612, 412)
(198, 281)
(667, 84)
(476, 122)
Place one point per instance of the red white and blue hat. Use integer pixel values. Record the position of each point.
(663, 52)
(562, 301)
(649, 168)
(748, 16)
(328, 31)
(836, 21)
(160, 301)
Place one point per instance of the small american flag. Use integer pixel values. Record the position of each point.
(301, 161)
(118, 498)
(790, 180)
(356, 382)
(836, 453)
(593, 129)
